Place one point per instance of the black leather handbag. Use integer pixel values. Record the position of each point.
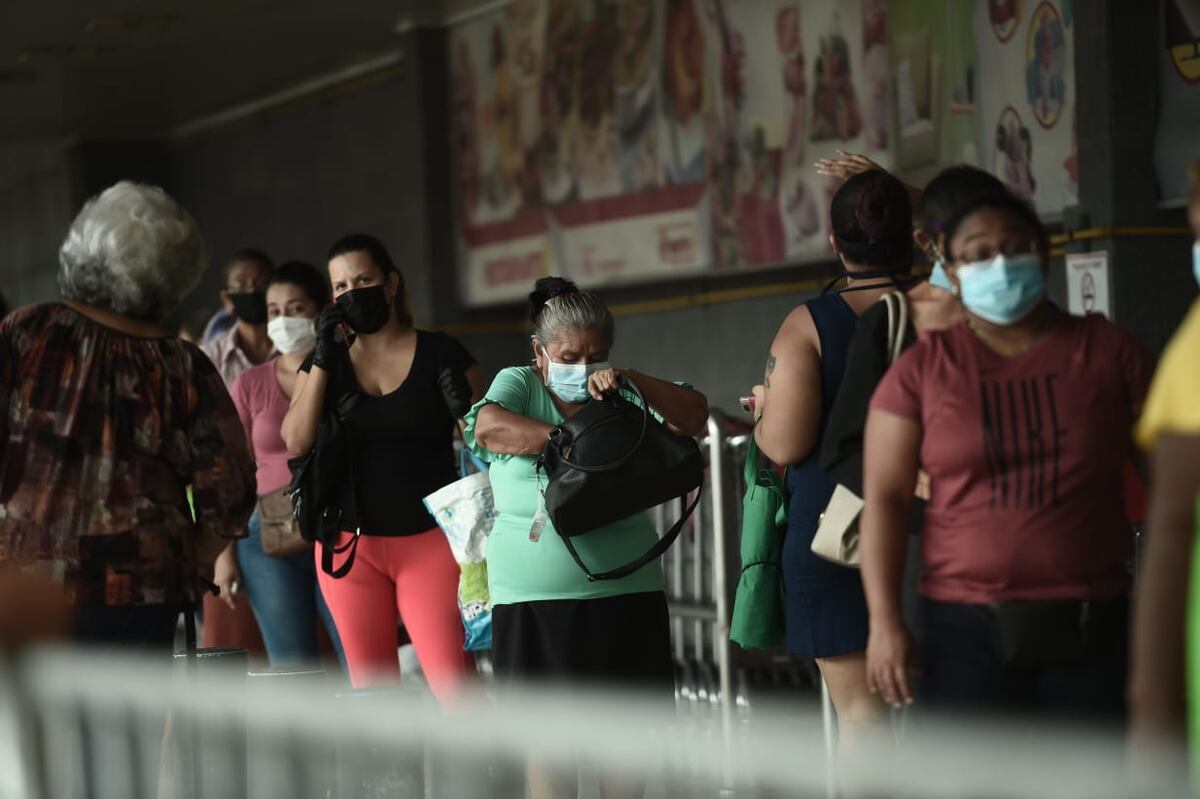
(315, 486)
(611, 460)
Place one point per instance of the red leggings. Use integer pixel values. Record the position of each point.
(416, 576)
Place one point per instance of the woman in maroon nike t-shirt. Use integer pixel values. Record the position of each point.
(1021, 416)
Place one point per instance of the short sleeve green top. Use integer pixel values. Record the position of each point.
(525, 570)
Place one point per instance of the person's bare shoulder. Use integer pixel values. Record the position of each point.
(798, 332)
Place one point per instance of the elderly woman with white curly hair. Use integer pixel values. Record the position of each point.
(106, 419)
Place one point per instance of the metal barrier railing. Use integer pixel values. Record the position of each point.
(701, 574)
(94, 727)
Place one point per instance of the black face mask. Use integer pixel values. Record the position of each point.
(367, 309)
(250, 306)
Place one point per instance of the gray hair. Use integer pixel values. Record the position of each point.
(575, 310)
(132, 250)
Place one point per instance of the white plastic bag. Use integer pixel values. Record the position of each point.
(465, 511)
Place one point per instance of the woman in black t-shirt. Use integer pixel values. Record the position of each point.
(400, 391)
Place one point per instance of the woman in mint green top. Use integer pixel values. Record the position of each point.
(524, 570)
(548, 620)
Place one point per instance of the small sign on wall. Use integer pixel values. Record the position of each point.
(1087, 284)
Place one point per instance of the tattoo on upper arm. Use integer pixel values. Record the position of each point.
(770, 369)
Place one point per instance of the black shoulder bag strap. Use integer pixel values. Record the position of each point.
(328, 551)
(351, 547)
(654, 553)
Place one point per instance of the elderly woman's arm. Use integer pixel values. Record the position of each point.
(506, 433)
(223, 473)
(684, 409)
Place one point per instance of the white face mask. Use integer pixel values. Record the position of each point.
(292, 334)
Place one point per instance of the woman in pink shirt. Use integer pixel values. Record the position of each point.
(282, 590)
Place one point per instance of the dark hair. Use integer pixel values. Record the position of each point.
(872, 221)
(308, 278)
(952, 189)
(1005, 202)
(544, 289)
(373, 247)
(248, 254)
(556, 305)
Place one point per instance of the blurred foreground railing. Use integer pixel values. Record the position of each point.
(100, 726)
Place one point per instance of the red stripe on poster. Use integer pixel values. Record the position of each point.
(623, 206)
(530, 223)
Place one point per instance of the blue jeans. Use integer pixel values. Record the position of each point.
(285, 599)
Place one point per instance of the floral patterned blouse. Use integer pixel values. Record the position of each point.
(101, 433)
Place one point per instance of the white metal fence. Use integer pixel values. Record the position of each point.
(79, 725)
(714, 677)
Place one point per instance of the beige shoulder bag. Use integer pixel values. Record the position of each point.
(280, 530)
(837, 529)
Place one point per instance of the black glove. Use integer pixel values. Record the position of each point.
(456, 391)
(327, 344)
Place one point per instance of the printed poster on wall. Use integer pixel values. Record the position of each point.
(1088, 284)
(574, 154)
(1027, 112)
(792, 82)
(617, 141)
(934, 67)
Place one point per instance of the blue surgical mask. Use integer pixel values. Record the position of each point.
(1196, 259)
(570, 380)
(939, 278)
(1003, 290)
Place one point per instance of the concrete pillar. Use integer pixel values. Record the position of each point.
(1117, 59)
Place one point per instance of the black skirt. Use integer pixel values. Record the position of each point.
(622, 640)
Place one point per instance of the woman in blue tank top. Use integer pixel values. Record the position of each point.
(826, 613)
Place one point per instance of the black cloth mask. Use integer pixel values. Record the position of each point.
(367, 309)
(250, 306)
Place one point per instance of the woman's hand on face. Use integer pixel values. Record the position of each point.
(606, 381)
(889, 663)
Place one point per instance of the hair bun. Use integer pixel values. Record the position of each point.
(873, 212)
(871, 216)
(546, 289)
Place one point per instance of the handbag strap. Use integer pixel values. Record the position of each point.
(624, 459)
(328, 551)
(750, 468)
(351, 546)
(654, 553)
(897, 310)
